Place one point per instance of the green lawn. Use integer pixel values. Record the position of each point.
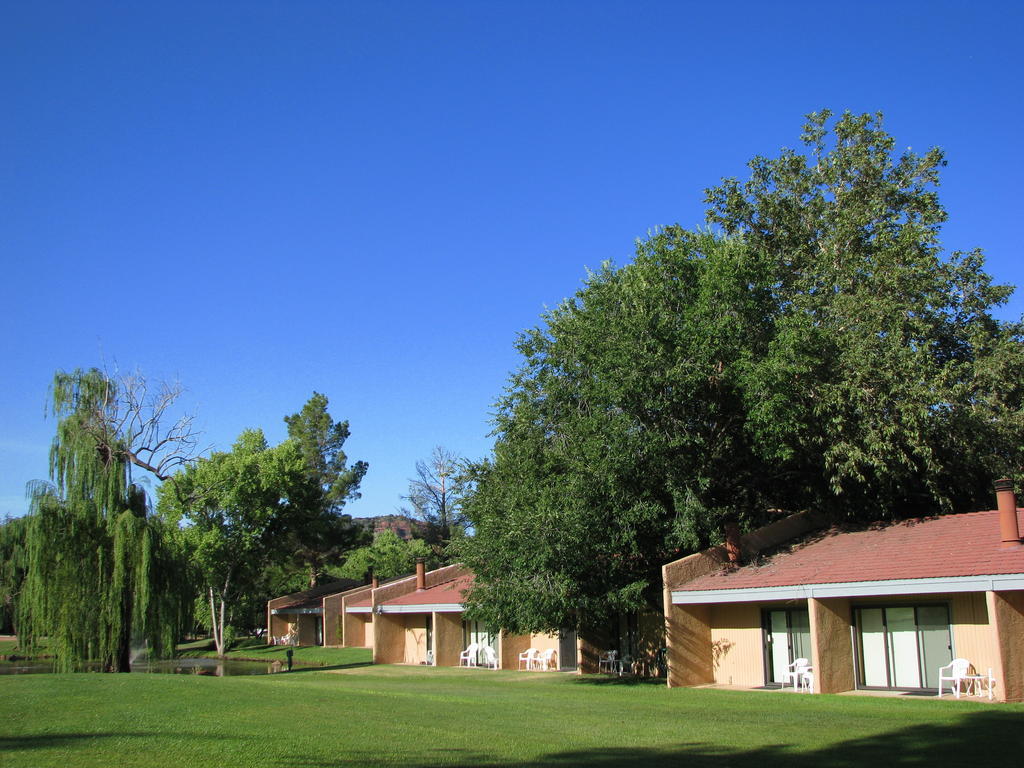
(306, 656)
(414, 716)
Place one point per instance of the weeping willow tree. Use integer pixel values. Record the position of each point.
(13, 563)
(104, 576)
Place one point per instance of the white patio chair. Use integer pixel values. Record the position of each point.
(490, 657)
(529, 656)
(607, 661)
(626, 665)
(795, 671)
(956, 672)
(806, 680)
(545, 660)
(468, 657)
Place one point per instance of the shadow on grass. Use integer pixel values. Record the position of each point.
(990, 738)
(327, 668)
(630, 680)
(50, 740)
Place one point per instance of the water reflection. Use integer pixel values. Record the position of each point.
(210, 667)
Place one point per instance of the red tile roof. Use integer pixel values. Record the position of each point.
(442, 594)
(934, 547)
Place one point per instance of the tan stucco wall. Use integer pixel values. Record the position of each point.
(1006, 611)
(332, 620)
(831, 645)
(415, 638)
(737, 654)
(358, 630)
(447, 639)
(688, 630)
(511, 647)
(277, 626)
(589, 647)
(389, 639)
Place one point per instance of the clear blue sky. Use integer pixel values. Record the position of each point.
(371, 199)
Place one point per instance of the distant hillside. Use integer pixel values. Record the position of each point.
(404, 527)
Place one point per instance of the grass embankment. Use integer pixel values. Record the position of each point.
(9, 649)
(250, 649)
(414, 716)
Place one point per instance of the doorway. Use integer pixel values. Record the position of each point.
(787, 637)
(902, 646)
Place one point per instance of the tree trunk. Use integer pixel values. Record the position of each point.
(218, 636)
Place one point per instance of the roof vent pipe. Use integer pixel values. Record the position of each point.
(732, 542)
(1007, 502)
(421, 574)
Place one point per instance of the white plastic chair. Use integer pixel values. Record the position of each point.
(806, 681)
(961, 675)
(545, 660)
(529, 656)
(490, 657)
(468, 657)
(608, 661)
(796, 671)
(626, 665)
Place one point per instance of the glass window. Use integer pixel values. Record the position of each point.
(787, 637)
(902, 646)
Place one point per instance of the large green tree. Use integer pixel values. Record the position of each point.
(103, 575)
(325, 533)
(13, 566)
(816, 349)
(234, 508)
(388, 557)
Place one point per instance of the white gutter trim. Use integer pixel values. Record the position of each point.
(995, 583)
(359, 609)
(425, 608)
(292, 611)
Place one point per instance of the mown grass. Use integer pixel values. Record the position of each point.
(305, 656)
(424, 717)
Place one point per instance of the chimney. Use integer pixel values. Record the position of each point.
(374, 581)
(421, 574)
(732, 542)
(1007, 501)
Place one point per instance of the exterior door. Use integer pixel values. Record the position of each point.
(475, 632)
(902, 646)
(787, 637)
(567, 650)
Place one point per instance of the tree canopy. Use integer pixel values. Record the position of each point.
(815, 349)
(233, 506)
(324, 534)
(388, 557)
(103, 575)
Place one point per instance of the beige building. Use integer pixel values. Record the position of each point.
(309, 617)
(880, 608)
(420, 620)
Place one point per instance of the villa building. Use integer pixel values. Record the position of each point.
(877, 608)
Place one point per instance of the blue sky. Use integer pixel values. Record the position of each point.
(371, 200)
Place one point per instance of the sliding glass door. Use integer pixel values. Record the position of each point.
(787, 637)
(902, 646)
(476, 632)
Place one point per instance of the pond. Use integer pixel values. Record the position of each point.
(211, 667)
